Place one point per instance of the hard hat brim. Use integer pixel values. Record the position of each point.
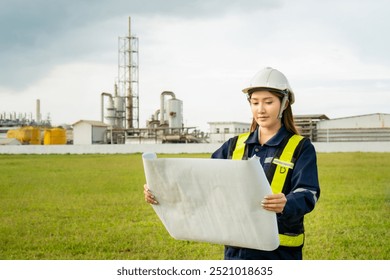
(250, 90)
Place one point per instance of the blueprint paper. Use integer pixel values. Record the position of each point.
(212, 200)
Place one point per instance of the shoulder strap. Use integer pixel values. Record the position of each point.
(285, 163)
(271, 170)
(231, 147)
(237, 149)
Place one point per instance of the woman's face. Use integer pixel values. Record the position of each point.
(265, 108)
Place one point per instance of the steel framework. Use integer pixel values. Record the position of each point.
(128, 82)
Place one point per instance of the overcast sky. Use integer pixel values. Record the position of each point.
(335, 53)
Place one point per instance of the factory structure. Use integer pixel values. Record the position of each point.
(362, 128)
(119, 122)
(23, 129)
(165, 125)
(120, 110)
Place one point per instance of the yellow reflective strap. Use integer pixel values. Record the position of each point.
(284, 163)
(238, 152)
(291, 241)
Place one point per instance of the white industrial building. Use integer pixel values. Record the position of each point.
(222, 131)
(87, 132)
(319, 128)
(363, 128)
(361, 121)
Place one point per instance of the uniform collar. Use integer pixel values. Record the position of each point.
(274, 141)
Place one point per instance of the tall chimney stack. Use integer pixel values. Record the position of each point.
(38, 113)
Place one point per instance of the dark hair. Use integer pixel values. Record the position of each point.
(287, 117)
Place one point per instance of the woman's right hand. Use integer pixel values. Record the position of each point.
(149, 197)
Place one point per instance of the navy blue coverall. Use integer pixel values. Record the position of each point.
(301, 189)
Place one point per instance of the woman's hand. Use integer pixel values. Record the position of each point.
(149, 197)
(274, 202)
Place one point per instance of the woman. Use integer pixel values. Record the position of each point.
(288, 160)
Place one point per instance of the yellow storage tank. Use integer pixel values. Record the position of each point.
(13, 133)
(55, 136)
(35, 135)
(26, 135)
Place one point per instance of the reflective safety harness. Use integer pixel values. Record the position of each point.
(283, 163)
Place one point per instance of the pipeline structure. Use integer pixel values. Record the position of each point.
(120, 110)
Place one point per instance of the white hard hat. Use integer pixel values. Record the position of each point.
(271, 79)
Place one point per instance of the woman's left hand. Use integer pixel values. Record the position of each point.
(274, 202)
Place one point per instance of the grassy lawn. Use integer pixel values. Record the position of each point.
(92, 207)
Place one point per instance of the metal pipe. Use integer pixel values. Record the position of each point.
(129, 89)
(156, 114)
(38, 111)
(102, 103)
(162, 105)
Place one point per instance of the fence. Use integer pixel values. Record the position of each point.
(321, 147)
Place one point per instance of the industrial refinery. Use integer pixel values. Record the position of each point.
(24, 129)
(165, 125)
(119, 122)
(120, 110)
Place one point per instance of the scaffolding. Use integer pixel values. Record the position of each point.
(128, 81)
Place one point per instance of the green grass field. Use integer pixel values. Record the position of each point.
(92, 207)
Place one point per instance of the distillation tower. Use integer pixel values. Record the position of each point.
(128, 82)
